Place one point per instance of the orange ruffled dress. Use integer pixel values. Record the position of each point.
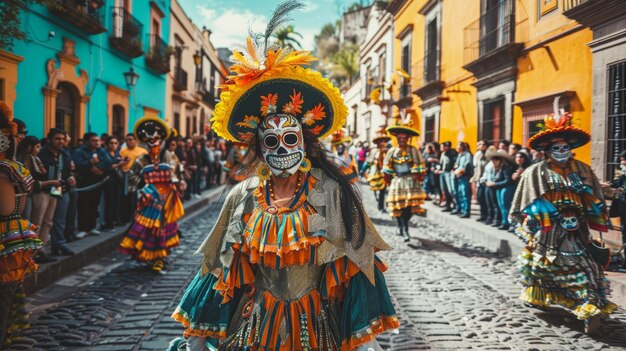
(277, 295)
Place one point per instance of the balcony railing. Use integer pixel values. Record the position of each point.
(84, 14)
(570, 4)
(180, 79)
(494, 29)
(126, 36)
(427, 70)
(158, 57)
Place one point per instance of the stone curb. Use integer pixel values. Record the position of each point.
(508, 244)
(93, 248)
(489, 237)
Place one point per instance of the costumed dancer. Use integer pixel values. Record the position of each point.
(234, 160)
(341, 142)
(290, 263)
(404, 173)
(560, 201)
(18, 240)
(153, 232)
(374, 167)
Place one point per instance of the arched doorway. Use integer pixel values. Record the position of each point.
(66, 112)
(118, 122)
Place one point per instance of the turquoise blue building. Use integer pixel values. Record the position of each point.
(79, 61)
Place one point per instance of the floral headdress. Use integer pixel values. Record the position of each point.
(269, 79)
(558, 127)
(8, 128)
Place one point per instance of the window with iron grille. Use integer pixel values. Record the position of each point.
(406, 66)
(429, 129)
(616, 116)
(496, 24)
(118, 125)
(493, 128)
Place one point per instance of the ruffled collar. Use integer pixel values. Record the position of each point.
(280, 236)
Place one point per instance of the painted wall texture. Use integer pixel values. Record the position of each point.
(89, 65)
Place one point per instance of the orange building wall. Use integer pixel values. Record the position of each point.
(554, 66)
(459, 114)
(409, 15)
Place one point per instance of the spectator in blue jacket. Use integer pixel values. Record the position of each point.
(503, 183)
(92, 164)
(463, 171)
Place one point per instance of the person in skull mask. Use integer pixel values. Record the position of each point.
(290, 263)
(340, 142)
(404, 170)
(154, 230)
(559, 201)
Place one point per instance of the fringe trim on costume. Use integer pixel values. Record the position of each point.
(376, 327)
(198, 329)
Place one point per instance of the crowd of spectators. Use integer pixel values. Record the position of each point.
(87, 187)
(489, 177)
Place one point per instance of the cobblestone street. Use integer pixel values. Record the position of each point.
(449, 294)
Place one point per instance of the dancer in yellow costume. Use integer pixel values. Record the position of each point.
(154, 231)
(290, 263)
(374, 167)
(559, 201)
(404, 172)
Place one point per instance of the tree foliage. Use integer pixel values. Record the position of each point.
(346, 64)
(10, 21)
(285, 37)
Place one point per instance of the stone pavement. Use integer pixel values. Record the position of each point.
(452, 294)
(449, 293)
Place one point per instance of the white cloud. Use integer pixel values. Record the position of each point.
(310, 6)
(231, 25)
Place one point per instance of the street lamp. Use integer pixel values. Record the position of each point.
(131, 78)
(197, 58)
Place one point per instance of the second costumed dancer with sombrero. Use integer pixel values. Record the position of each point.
(560, 201)
(290, 263)
(154, 230)
(404, 173)
(373, 167)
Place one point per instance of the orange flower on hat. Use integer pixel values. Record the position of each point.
(314, 114)
(295, 105)
(268, 104)
(250, 122)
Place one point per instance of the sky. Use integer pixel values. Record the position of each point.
(229, 19)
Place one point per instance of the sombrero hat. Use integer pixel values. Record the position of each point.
(271, 80)
(403, 125)
(381, 135)
(340, 137)
(500, 154)
(557, 127)
(148, 127)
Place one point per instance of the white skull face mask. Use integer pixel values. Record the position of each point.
(560, 151)
(569, 221)
(282, 144)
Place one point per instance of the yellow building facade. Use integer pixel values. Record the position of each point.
(491, 70)
(555, 61)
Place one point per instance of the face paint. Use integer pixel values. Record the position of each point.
(340, 149)
(569, 221)
(560, 151)
(282, 144)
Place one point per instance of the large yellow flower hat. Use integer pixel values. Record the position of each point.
(267, 80)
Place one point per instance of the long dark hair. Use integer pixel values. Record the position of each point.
(25, 147)
(351, 211)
